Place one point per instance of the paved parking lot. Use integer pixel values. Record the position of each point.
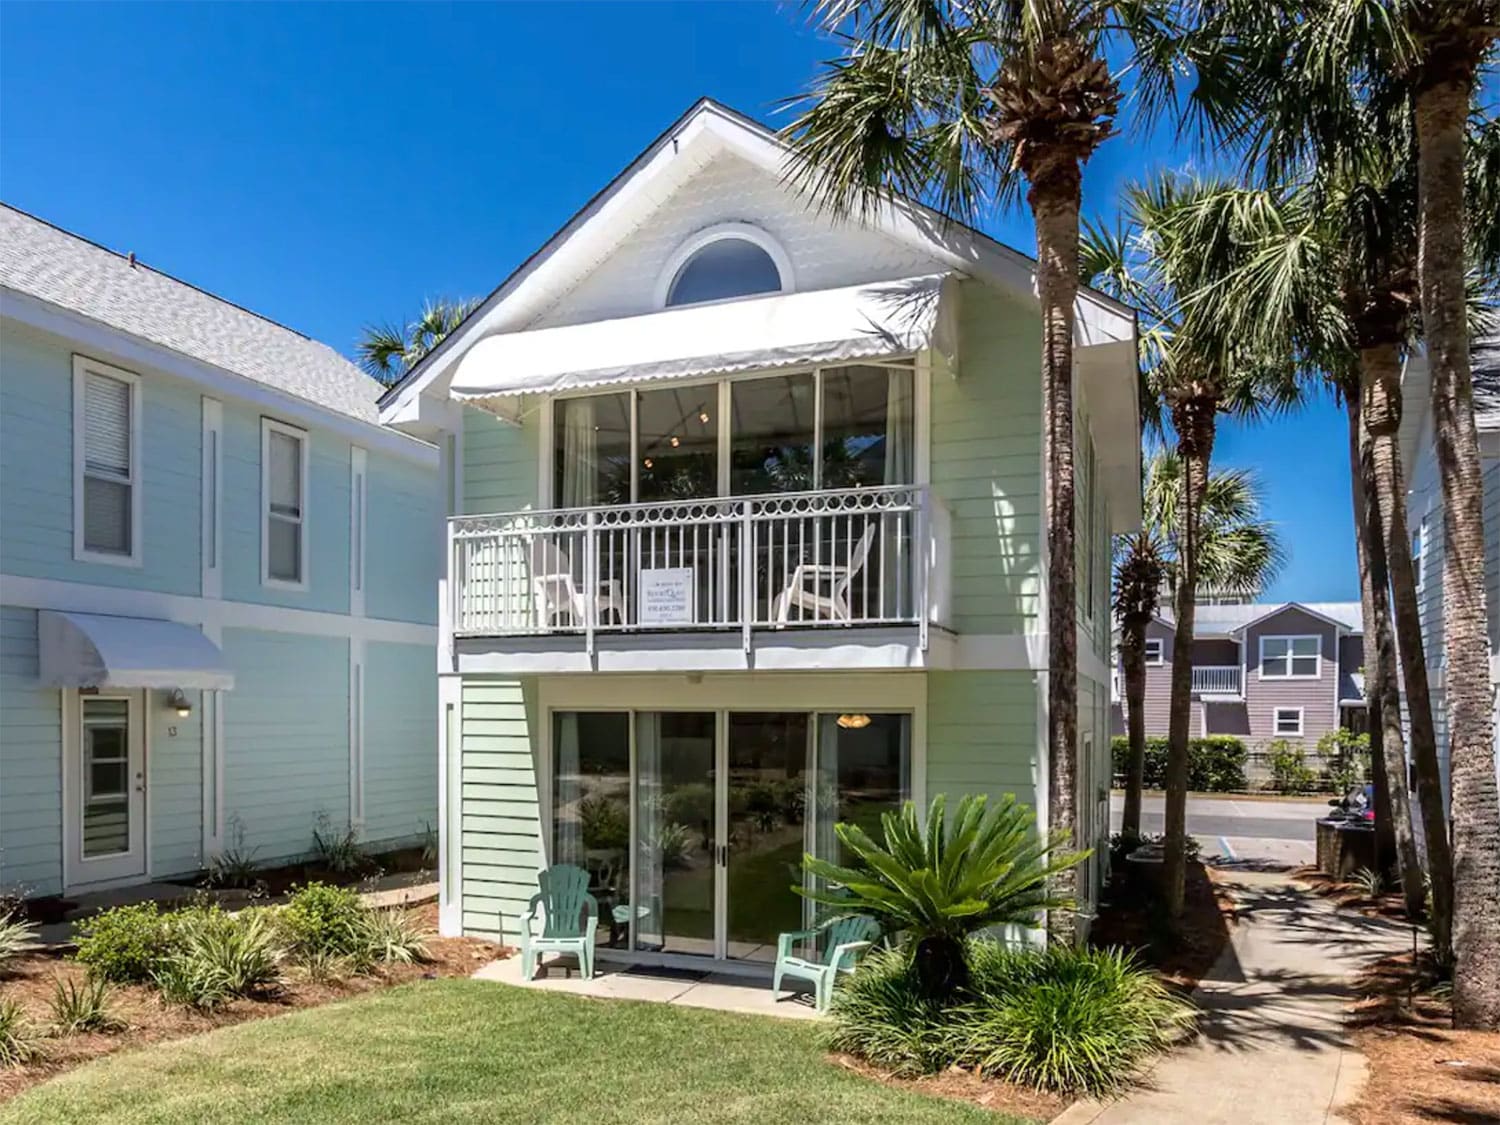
(1274, 830)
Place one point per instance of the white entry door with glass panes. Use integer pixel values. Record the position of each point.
(106, 789)
(693, 824)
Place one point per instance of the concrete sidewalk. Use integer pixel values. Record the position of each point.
(1272, 1047)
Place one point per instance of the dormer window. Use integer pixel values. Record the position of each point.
(720, 264)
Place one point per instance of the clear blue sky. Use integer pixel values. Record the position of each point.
(329, 166)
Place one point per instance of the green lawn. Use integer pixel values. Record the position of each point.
(456, 1050)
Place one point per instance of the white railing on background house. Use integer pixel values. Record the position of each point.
(1216, 679)
(847, 557)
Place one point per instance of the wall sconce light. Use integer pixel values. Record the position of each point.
(179, 703)
(853, 722)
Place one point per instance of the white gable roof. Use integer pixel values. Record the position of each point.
(44, 262)
(705, 133)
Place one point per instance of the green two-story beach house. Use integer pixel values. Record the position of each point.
(745, 541)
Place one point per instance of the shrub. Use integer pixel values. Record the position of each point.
(1065, 1019)
(940, 883)
(17, 938)
(123, 945)
(1061, 1019)
(393, 937)
(83, 1006)
(20, 1040)
(337, 849)
(1371, 883)
(672, 842)
(1216, 764)
(216, 957)
(1290, 772)
(1347, 758)
(235, 866)
(604, 823)
(429, 845)
(324, 919)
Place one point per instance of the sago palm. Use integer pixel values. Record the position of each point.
(939, 883)
(958, 103)
(387, 352)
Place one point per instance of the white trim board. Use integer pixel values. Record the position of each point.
(81, 332)
(79, 597)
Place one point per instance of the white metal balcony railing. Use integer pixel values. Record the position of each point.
(804, 559)
(1216, 679)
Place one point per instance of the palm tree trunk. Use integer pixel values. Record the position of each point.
(1380, 381)
(1055, 197)
(1133, 654)
(1194, 419)
(1441, 111)
(1387, 746)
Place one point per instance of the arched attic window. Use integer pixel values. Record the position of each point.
(719, 264)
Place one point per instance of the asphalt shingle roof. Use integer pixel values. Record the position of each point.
(50, 264)
(1218, 620)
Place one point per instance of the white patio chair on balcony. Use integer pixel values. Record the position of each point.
(556, 595)
(822, 589)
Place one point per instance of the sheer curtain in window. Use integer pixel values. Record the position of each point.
(580, 454)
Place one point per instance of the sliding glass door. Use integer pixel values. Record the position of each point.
(692, 825)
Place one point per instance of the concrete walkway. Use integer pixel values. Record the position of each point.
(723, 992)
(1272, 1046)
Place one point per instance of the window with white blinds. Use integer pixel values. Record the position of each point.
(107, 462)
(284, 488)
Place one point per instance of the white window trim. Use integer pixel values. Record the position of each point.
(745, 232)
(1290, 638)
(1276, 714)
(82, 366)
(269, 426)
(1161, 652)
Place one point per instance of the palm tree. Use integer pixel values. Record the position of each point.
(959, 102)
(387, 352)
(1238, 552)
(1180, 242)
(1299, 80)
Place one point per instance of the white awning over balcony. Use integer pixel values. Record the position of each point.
(887, 318)
(92, 650)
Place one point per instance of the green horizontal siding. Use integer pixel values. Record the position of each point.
(986, 463)
(499, 463)
(981, 734)
(500, 831)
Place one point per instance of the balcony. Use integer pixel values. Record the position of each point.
(1221, 680)
(831, 560)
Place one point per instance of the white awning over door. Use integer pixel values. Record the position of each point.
(859, 322)
(92, 650)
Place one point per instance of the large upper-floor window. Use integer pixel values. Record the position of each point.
(106, 463)
(733, 260)
(284, 505)
(834, 428)
(1290, 658)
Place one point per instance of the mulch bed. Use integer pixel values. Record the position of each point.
(149, 1020)
(1421, 1070)
(1130, 916)
(966, 1086)
(1347, 896)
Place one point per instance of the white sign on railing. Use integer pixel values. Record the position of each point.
(666, 596)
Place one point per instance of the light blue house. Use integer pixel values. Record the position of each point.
(217, 621)
(1424, 515)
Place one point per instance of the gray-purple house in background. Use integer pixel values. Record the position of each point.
(1289, 670)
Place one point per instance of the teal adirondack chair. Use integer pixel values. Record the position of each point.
(570, 917)
(844, 940)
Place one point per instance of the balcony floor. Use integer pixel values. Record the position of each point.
(822, 647)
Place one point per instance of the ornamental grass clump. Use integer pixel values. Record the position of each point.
(216, 957)
(1061, 1019)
